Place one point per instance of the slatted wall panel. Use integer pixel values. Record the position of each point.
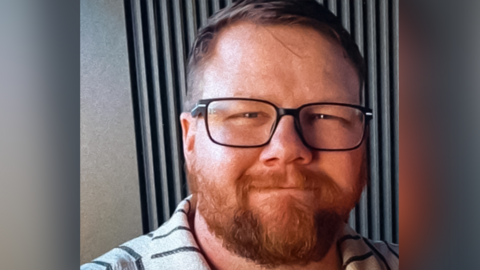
(160, 33)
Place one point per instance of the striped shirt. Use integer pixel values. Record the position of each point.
(172, 246)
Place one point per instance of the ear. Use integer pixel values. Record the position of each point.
(188, 135)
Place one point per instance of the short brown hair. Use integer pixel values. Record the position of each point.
(307, 13)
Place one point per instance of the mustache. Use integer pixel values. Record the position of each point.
(318, 182)
(295, 179)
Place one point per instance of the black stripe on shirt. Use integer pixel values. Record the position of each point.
(183, 211)
(107, 265)
(189, 206)
(175, 251)
(357, 258)
(130, 251)
(180, 210)
(372, 247)
(170, 232)
(135, 255)
(346, 237)
(391, 250)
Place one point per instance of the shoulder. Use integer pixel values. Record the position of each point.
(387, 253)
(130, 255)
(171, 246)
(361, 253)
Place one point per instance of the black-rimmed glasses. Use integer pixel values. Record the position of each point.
(244, 122)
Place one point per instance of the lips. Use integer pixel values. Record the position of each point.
(283, 188)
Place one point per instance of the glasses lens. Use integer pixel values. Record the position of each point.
(332, 127)
(240, 122)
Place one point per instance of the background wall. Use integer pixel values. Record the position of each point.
(133, 84)
(109, 185)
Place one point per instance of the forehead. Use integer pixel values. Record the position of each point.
(287, 65)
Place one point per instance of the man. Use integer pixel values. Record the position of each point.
(274, 143)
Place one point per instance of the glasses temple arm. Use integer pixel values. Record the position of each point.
(369, 115)
(199, 109)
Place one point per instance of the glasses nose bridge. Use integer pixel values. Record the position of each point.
(281, 112)
(292, 112)
(284, 111)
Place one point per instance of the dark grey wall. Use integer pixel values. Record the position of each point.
(110, 211)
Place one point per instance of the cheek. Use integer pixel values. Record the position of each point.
(346, 168)
(220, 164)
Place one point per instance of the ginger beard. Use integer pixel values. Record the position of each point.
(281, 229)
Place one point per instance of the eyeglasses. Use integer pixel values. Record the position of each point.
(245, 123)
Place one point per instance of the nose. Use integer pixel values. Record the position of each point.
(286, 146)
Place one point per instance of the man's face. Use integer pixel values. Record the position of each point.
(284, 191)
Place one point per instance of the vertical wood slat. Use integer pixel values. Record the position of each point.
(374, 187)
(384, 73)
(180, 45)
(191, 22)
(158, 116)
(175, 154)
(395, 112)
(216, 5)
(345, 14)
(144, 116)
(203, 8)
(332, 6)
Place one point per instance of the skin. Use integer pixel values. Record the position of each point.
(288, 66)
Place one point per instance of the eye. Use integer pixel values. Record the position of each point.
(249, 118)
(323, 116)
(250, 115)
(327, 118)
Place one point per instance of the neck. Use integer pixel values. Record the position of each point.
(220, 258)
